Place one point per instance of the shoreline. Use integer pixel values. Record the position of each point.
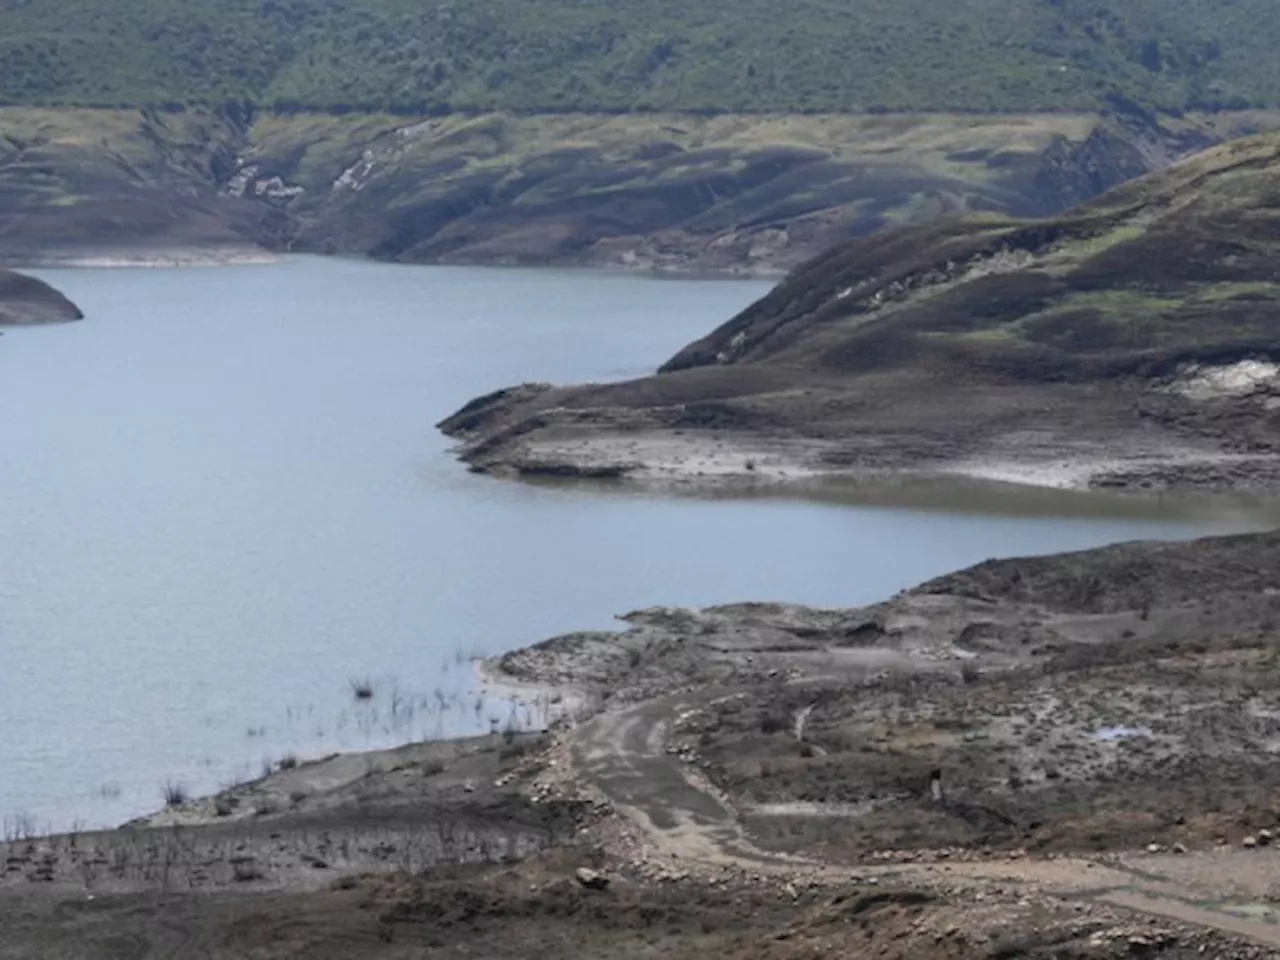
(569, 700)
(211, 257)
(194, 257)
(1240, 510)
(710, 464)
(786, 750)
(558, 704)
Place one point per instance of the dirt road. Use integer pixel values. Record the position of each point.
(624, 753)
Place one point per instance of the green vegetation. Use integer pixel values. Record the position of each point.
(431, 56)
(668, 190)
(508, 188)
(175, 794)
(1175, 266)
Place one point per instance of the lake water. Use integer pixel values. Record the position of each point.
(224, 500)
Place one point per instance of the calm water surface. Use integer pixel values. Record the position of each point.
(223, 499)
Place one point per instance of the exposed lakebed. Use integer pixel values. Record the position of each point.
(224, 500)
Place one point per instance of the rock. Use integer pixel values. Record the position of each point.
(1265, 837)
(26, 300)
(1179, 848)
(1154, 848)
(1249, 842)
(591, 879)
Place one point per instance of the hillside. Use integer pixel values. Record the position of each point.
(1129, 341)
(738, 193)
(644, 55)
(738, 138)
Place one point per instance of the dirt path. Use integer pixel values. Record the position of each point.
(623, 752)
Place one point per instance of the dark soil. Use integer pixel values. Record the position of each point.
(537, 909)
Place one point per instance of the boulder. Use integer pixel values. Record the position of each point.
(25, 300)
(591, 879)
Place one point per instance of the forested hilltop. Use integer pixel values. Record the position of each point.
(433, 56)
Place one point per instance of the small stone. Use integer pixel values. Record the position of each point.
(1154, 848)
(1249, 842)
(1265, 837)
(591, 879)
(1179, 848)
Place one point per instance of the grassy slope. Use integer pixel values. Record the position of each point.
(759, 191)
(88, 180)
(1179, 265)
(502, 187)
(481, 187)
(567, 55)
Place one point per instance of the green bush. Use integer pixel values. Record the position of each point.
(434, 56)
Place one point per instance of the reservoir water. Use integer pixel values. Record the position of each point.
(222, 500)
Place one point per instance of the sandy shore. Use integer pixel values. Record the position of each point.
(180, 257)
(556, 702)
(692, 460)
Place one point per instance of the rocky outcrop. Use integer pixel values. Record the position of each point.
(27, 301)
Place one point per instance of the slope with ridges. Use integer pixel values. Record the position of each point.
(1132, 335)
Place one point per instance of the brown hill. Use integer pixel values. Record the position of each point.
(1133, 339)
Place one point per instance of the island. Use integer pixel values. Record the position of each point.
(26, 301)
